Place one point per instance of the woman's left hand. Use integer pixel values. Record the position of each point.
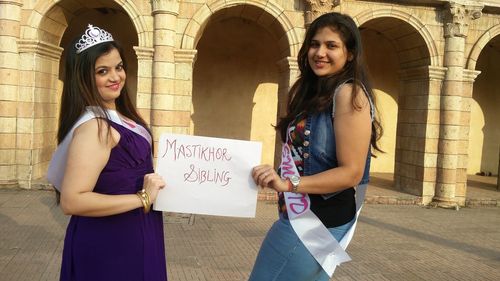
(266, 176)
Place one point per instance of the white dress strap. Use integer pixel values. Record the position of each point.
(58, 162)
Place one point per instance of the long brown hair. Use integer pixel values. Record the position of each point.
(80, 88)
(311, 94)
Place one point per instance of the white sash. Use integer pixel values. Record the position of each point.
(57, 164)
(311, 231)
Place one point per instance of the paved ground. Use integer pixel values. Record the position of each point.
(392, 242)
(481, 192)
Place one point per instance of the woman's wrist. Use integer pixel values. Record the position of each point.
(289, 184)
(145, 200)
(292, 184)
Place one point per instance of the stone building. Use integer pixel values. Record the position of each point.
(223, 67)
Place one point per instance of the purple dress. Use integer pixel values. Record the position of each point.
(127, 246)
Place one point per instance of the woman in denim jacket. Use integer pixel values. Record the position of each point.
(330, 131)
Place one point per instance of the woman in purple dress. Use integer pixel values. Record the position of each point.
(108, 184)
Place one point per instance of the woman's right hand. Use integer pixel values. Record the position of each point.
(152, 184)
(266, 176)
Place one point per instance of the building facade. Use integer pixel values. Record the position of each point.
(222, 68)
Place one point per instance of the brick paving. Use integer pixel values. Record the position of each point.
(392, 242)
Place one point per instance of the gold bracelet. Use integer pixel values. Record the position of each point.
(146, 203)
(143, 201)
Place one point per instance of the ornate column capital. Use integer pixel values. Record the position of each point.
(185, 56)
(423, 73)
(458, 16)
(144, 53)
(317, 8)
(165, 7)
(40, 48)
(470, 75)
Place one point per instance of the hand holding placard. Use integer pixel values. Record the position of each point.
(209, 176)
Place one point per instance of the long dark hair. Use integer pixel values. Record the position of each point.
(311, 94)
(80, 88)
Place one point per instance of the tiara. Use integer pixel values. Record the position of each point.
(93, 35)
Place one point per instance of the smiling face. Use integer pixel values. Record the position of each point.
(327, 52)
(110, 77)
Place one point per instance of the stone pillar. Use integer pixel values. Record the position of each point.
(469, 76)
(318, 7)
(37, 110)
(452, 128)
(144, 81)
(183, 88)
(164, 101)
(10, 17)
(289, 72)
(418, 130)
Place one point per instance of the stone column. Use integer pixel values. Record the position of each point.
(10, 17)
(36, 110)
(457, 18)
(183, 88)
(469, 76)
(144, 81)
(318, 7)
(289, 72)
(417, 134)
(164, 100)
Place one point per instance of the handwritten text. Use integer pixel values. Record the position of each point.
(195, 151)
(201, 176)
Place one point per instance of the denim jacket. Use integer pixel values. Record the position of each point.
(320, 150)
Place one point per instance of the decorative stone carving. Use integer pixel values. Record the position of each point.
(427, 72)
(39, 47)
(319, 7)
(165, 7)
(185, 56)
(458, 16)
(144, 53)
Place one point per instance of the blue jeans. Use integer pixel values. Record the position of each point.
(283, 257)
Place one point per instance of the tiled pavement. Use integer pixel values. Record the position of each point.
(392, 242)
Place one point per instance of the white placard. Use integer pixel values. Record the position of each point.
(210, 176)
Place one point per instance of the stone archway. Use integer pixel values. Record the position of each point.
(418, 26)
(484, 147)
(38, 20)
(237, 79)
(267, 17)
(50, 26)
(405, 84)
(272, 19)
(235, 82)
(481, 43)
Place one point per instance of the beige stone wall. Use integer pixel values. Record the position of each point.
(434, 67)
(10, 16)
(235, 96)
